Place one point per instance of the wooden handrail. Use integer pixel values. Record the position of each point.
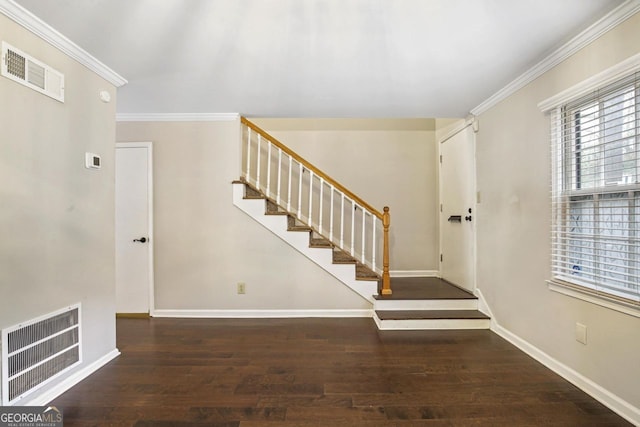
(384, 217)
(312, 168)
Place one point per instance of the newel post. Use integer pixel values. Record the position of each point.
(386, 280)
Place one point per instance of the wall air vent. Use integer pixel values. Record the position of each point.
(38, 351)
(26, 70)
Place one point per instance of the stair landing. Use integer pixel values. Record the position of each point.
(428, 303)
(408, 288)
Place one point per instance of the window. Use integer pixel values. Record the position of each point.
(596, 192)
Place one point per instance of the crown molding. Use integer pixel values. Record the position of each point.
(177, 117)
(606, 23)
(43, 30)
(623, 69)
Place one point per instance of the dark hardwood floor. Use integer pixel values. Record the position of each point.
(321, 372)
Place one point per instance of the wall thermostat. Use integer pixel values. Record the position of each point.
(92, 161)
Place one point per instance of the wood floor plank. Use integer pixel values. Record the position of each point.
(321, 372)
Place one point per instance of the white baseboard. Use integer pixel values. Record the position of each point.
(484, 307)
(414, 273)
(275, 314)
(604, 396)
(55, 391)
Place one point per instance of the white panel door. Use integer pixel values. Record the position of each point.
(457, 218)
(134, 250)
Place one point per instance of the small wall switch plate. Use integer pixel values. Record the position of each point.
(242, 288)
(581, 333)
(92, 161)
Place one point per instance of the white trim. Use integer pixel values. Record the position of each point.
(483, 307)
(606, 23)
(600, 300)
(262, 314)
(64, 385)
(414, 273)
(149, 147)
(177, 117)
(430, 324)
(43, 30)
(604, 396)
(456, 128)
(610, 75)
(426, 304)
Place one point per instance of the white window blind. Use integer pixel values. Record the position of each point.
(596, 191)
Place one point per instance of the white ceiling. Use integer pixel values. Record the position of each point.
(317, 58)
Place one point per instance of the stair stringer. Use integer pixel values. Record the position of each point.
(323, 257)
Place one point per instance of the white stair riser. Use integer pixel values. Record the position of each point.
(431, 324)
(427, 304)
(323, 257)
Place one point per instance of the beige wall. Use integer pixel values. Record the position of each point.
(514, 226)
(204, 245)
(56, 217)
(387, 162)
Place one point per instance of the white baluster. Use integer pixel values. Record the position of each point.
(299, 213)
(258, 172)
(341, 220)
(289, 185)
(269, 169)
(248, 175)
(321, 194)
(373, 242)
(310, 198)
(331, 216)
(279, 173)
(353, 226)
(364, 223)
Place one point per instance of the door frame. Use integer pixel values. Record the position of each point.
(449, 132)
(149, 146)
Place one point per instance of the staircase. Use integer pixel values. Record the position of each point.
(339, 263)
(343, 235)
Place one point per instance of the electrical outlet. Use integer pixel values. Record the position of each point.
(242, 288)
(581, 333)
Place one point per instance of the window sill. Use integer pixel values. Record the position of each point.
(594, 297)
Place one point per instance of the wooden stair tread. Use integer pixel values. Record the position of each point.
(293, 225)
(429, 314)
(416, 288)
(252, 193)
(273, 209)
(319, 243)
(342, 257)
(299, 228)
(365, 273)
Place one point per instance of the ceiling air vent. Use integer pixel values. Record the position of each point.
(22, 68)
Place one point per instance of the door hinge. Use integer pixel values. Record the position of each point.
(440, 207)
(440, 257)
(440, 158)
